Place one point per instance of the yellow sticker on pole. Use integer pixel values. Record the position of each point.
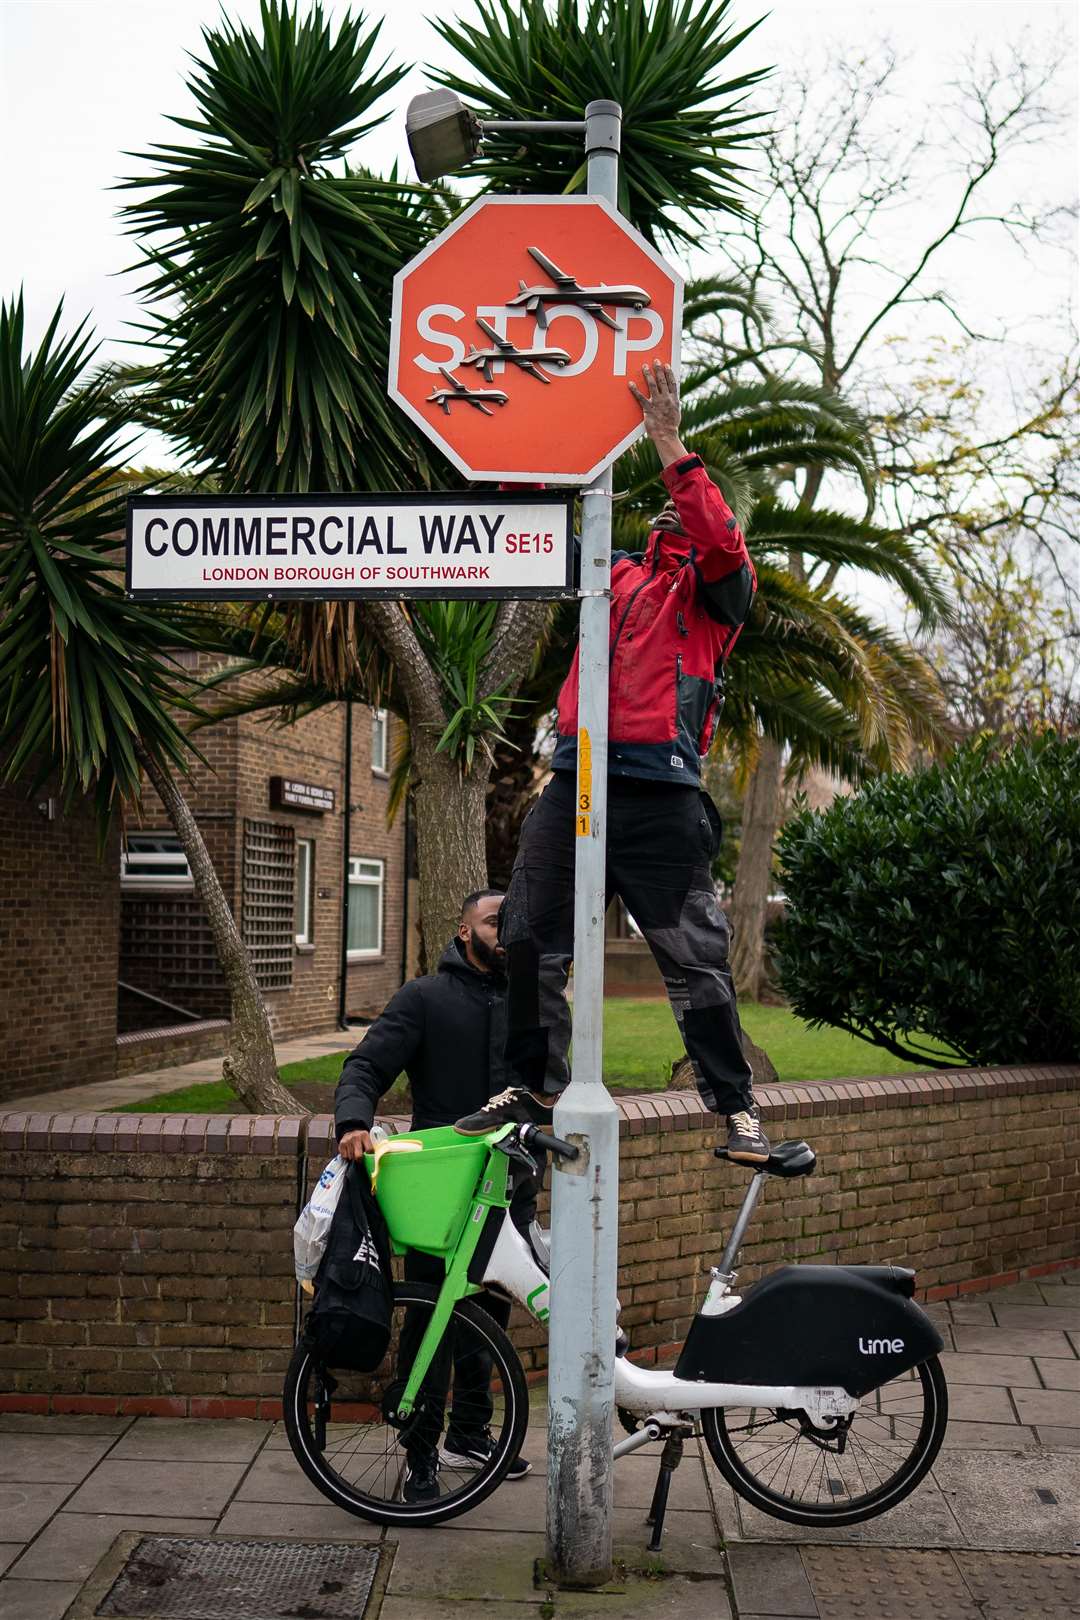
(584, 784)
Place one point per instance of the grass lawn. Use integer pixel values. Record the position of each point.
(640, 1045)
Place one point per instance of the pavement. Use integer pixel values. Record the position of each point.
(992, 1534)
(103, 1095)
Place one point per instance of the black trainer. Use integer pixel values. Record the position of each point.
(461, 1450)
(516, 1106)
(421, 1477)
(747, 1142)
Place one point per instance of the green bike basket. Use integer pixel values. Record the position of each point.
(425, 1196)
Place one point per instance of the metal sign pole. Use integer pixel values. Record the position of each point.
(584, 1194)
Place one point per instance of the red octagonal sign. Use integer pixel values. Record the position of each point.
(516, 332)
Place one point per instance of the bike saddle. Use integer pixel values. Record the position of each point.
(785, 1159)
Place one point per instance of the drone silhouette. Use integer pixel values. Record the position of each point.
(568, 290)
(502, 349)
(457, 393)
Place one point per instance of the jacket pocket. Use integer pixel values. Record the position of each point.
(694, 697)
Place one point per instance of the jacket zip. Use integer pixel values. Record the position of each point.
(633, 598)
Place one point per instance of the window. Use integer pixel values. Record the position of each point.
(380, 735)
(269, 874)
(364, 935)
(305, 891)
(154, 861)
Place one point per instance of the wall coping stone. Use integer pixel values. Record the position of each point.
(668, 1110)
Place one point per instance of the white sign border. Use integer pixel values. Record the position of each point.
(579, 199)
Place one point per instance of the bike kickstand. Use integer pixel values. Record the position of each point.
(670, 1458)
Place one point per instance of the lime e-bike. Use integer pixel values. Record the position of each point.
(818, 1391)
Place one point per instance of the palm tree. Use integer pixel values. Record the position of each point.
(267, 299)
(89, 688)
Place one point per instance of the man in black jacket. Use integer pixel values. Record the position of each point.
(447, 1032)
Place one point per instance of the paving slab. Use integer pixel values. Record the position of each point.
(25, 1508)
(1056, 1438)
(57, 1423)
(1039, 1317)
(970, 1313)
(990, 1437)
(278, 1519)
(448, 1562)
(192, 1440)
(51, 1458)
(635, 1482)
(1007, 1586)
(672, 1599)
(771, 1581)
(9, 1551)
(36, 1600)
(1013, 1341)
(1021, 1293)
(516, 1505)
(853, 1583)
(1058, 1406)
(982, 1403)
(691, 1544)
(276, 1476)
(161, 1489)
(996, 1499)
(1016, 1372)
(1057, 1374)
(924, 1519)
(72, 1546)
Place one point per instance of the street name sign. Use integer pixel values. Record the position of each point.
(516, 331)
(509, 543)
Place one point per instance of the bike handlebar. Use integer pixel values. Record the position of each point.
(554, 1144)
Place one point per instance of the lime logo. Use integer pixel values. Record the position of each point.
(539, 1311)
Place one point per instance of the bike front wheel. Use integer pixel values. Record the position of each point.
(346, 1435)
(778, 1462)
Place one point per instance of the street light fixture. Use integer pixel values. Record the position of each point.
(444, 135)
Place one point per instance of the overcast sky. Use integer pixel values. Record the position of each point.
(85, 80)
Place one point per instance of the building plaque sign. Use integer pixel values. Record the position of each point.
(287, 794)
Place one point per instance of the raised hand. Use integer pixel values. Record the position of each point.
(661, 409)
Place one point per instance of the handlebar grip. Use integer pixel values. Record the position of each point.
(554, 1144)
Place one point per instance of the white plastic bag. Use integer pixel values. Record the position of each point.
(312, 1230)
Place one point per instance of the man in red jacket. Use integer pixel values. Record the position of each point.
(676, 612)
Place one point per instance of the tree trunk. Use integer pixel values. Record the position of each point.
(510, 788)
(449, 838)
(249, 1066)
(753, 873)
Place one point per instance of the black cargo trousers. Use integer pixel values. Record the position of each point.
(660, 841)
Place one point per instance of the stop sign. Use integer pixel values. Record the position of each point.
(516, 332)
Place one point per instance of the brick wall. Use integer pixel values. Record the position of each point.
(59, 937)
(146, 1261)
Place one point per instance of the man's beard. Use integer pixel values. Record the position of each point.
(668, 518)
(489, 956)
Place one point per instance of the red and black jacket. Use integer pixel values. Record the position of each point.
(676, 611)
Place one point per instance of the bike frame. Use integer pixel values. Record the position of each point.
(512, 1268)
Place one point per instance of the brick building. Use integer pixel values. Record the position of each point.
(107, 965)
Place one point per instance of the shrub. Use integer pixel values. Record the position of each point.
(945, 902)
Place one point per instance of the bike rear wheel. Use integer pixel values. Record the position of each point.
(777, 1463)
(346, 1436)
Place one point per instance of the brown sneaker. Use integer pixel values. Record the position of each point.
(516, 1106)
(747, 1142)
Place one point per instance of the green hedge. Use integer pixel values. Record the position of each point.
(945, 902)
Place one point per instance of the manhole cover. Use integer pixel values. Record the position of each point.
(196, 1578)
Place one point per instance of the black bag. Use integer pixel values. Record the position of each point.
(348, 1326)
